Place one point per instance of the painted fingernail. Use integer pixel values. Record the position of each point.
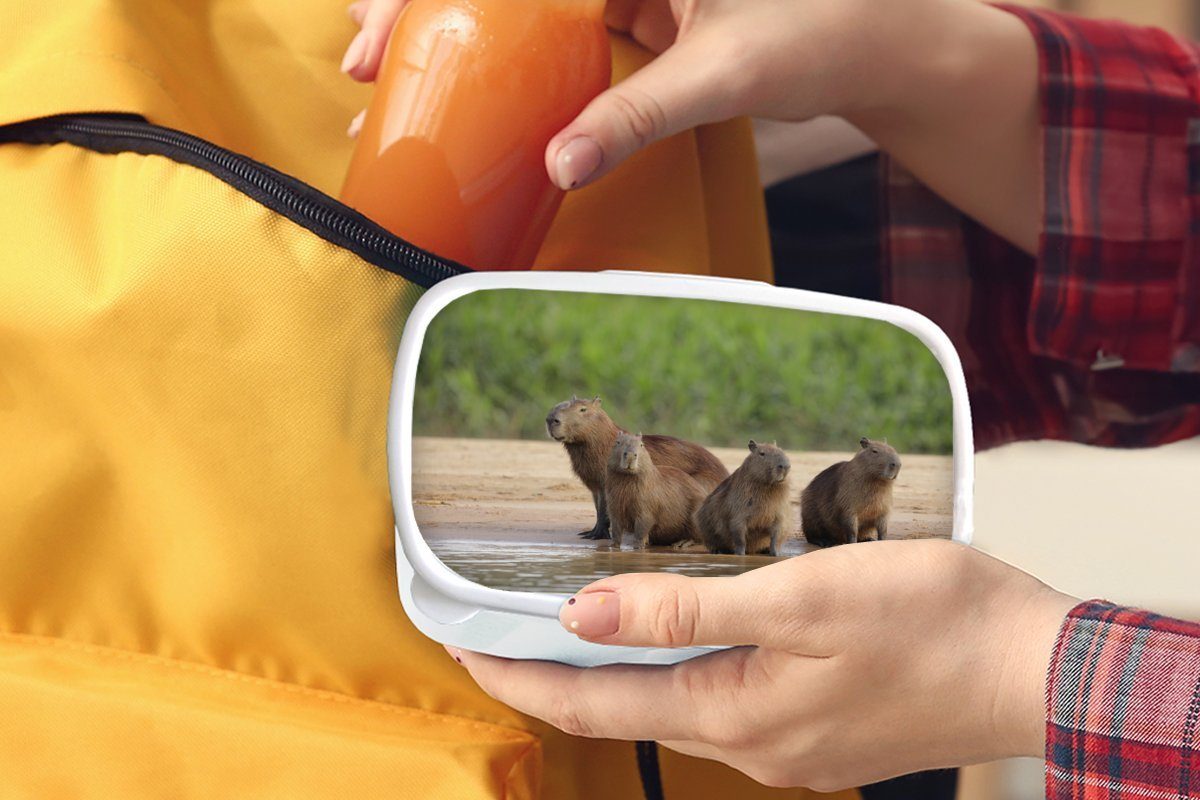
(356, 52)
(577, 161)
(592, 614)
(356, 125)
(454, 652)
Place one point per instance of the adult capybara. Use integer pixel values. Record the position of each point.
(588, 433)
(750, 511)
(653, 504)
(852, 498)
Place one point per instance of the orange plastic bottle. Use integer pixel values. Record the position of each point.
(452, 150)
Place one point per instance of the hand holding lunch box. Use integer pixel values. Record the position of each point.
(551, 429)
(824, 578)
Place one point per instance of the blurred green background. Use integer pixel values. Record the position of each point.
(494, 362)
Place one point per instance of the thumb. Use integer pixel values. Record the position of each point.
(665, 610)
(683, 87)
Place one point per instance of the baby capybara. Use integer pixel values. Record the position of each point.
(588, 434)
(750, 511)
(851, 499)
(653, 504)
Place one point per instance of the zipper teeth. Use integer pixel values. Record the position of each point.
(393, 249)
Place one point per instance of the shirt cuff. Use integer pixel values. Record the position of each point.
(1121, 125)
(1123, 706)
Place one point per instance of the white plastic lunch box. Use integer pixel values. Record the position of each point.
(524, 624)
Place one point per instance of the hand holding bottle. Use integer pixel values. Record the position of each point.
(947, 87)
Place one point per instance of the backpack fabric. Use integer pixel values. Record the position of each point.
(197, 583)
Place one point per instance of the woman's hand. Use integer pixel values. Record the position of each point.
(947, 87)
(851, 665)
(717, 59)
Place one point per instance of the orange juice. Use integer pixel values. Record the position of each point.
(451, 153)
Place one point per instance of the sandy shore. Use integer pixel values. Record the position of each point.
(524, 491)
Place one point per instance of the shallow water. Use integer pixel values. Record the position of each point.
(569, 566)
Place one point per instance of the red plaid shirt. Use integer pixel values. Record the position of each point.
(1124, 707)
(1096, 340)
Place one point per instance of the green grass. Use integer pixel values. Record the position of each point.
(719, 373)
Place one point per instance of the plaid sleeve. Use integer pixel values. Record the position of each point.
(1117, 281)
(1097, 339)
(1123, 702)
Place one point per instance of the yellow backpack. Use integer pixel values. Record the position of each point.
(197, 586)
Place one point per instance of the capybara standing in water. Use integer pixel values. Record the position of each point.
(851, 498)
(654, 504)
(588, 435)
(750, 511)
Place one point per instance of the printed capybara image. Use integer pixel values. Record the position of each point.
(850, 501)
(750, 512)
(587, 434)
(562, 437)
(654, 505)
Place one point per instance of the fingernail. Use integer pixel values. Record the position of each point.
(577, 161)
(592, 614)
(356, 125)
(356, 11)
(356, 52)
(454, 652)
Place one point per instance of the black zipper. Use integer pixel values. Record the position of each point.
(318, 212)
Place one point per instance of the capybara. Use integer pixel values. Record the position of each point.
(851, 499)
(588, 434)
(653, 504)
(749, 512)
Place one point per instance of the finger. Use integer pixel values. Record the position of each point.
(687, 85)
(354, 54)
(356, 124)
(358, 11)
(664, 610)
(651, 703)
(366, 51)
